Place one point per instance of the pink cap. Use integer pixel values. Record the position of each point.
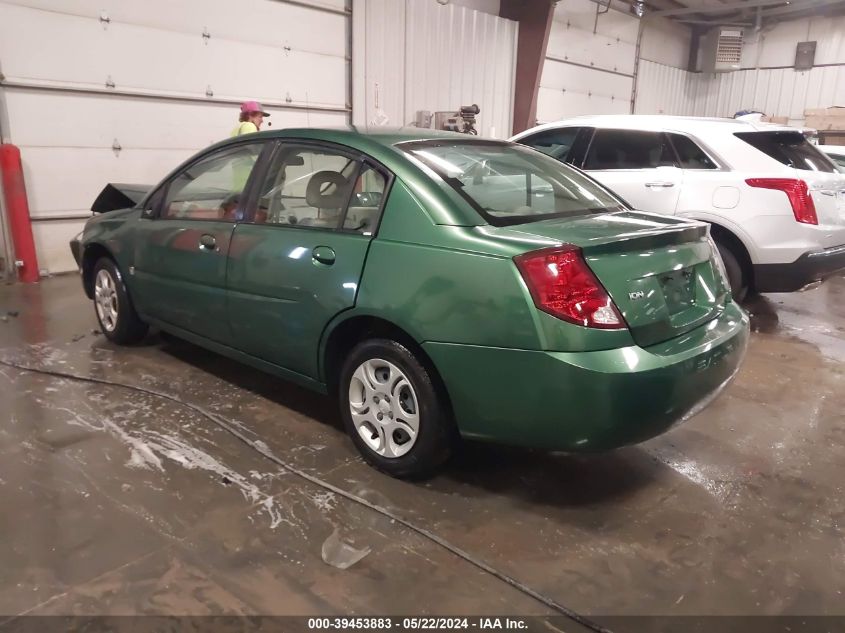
(248, 107)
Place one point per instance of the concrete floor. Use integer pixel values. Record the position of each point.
(112, 502)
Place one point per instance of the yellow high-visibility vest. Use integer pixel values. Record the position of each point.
(247, 127)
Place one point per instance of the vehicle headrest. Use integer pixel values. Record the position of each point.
(320, 193)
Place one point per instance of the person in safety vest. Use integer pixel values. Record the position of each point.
(252, 116)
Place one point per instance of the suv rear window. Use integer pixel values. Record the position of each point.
(512, 184)
(788, 148)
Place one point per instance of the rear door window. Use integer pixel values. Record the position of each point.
(690, 154)
(788, 148)
(307, 187)
(629, 149)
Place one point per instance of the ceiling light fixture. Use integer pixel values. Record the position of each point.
(637, 8)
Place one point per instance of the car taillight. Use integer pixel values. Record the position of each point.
(719, 262)
(798, 193)
(563, 285)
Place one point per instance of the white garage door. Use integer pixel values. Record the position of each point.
(586, 72)
(99, 91)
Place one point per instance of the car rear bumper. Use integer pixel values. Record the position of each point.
(589, 401)
(808, 268)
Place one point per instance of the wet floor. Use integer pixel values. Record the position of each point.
(114, 501)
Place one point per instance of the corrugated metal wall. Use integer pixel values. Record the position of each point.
(775, 44)
(664, 89)
(174, 91)
(457, 56)
(777, 92)
(421, 55)
(378, 62)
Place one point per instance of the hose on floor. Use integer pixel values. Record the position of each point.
(262, 449)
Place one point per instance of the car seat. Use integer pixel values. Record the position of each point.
(328, 193)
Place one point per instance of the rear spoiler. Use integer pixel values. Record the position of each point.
(119, 196)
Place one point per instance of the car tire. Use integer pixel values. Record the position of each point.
(393, 410)
(115, 313)
(736, 276)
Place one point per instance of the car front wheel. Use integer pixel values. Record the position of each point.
(393, 411)
(113, 306)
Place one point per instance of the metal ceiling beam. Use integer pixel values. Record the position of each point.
(733, 6)
(794, 8)
(713, 21)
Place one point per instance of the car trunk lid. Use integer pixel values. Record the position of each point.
(119, 196)
(658, 270)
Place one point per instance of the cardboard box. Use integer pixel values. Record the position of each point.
(832, 118)
(832, 138)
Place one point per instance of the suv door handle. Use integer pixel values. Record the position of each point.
(660, 184)
(323, 254)
(207, 242)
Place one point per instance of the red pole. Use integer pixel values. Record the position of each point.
(17, 210)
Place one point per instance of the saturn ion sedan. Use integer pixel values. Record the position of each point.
(437, 285)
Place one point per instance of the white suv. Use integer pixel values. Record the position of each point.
(776, 205)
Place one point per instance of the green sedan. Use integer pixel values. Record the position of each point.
(438, 285)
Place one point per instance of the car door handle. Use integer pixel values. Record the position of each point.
(660, 184)
(323, 255)
(208, 243)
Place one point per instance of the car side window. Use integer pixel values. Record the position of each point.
(629, 149)
(366, 201)
(212, 188)
(690, 154)
(556, 143)
(154, 202)
(307, 187)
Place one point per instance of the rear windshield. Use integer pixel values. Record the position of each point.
(512, 184)
(789, 148)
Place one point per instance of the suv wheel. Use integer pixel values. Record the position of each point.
(736, 276)
(393, 411)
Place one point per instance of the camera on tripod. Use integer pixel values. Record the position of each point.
(462, 121)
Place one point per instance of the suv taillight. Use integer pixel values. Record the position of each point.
(563, 285)
(798, 193)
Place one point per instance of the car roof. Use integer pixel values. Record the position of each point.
(360, 136)
(660, 122)
(836, 149)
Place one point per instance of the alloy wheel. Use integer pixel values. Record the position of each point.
(105, 299)
(384, 408)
